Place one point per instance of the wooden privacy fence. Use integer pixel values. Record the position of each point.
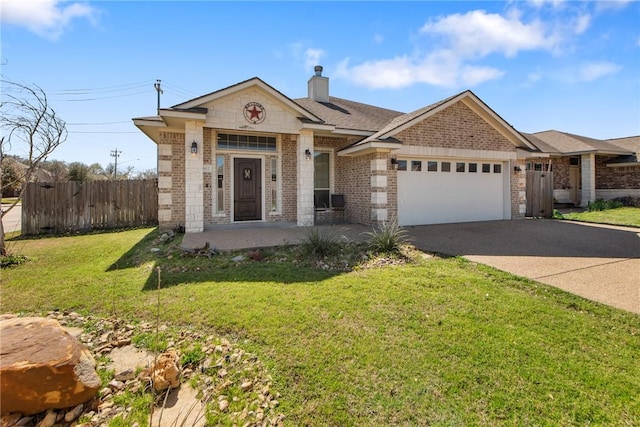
(539, 194)
(64, 207)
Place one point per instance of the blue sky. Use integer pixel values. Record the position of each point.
(570, 66)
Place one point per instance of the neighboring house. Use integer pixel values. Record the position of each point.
(249, 153)
(586, 169)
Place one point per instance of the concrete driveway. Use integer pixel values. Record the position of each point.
(601, 263)
(13, 220)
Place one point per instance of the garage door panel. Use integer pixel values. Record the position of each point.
(447, 197)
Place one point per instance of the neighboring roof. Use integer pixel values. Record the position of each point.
(631, 143)
(556, 142)
(346, 114)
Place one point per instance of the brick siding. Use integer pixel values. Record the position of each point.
(623, 177)
(177, 175)
(457, 126)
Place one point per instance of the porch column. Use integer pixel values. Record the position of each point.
(305, 178)
(193, 175)
(588, 165)
(379, 212)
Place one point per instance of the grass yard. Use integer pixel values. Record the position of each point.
(438, 342)
(619, 216)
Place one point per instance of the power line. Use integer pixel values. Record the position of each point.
(115, 88)
(107, 131)
(104, 97)
(100, 123)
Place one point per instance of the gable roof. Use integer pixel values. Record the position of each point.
(556, 142)
(197, 103)
(397, 124)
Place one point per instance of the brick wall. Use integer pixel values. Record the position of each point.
(207, 179)
(456, 126)
(343, 174)
(561, 173)
(289, 179)
(624, 177)
(177, 175)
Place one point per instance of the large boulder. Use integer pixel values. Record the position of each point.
(43, 367)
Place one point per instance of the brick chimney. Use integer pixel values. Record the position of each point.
(318, 86)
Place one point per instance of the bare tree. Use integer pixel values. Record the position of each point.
(29, 122)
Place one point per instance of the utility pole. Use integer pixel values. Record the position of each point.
(159, 90)
(115, 154)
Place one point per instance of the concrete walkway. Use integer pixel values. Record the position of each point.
(598, 262)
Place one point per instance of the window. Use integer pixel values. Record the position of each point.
(574, 161)
(246, 142)
(460, 167)
(528, 166)
(486, 168)
(220, 186)
(473, 167)
(537, 167)
(432, 166)
(402, 165)
(416, 165)
(497, 168)
(445, 167)
(321, 180)
(274, 184)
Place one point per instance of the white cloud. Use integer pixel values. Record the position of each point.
(611, 5)
(582, 23)
(595, 70)
(478, 33)
(47, 18)
(556, 4)
(465, 38)
(441, 68)
(312, 57)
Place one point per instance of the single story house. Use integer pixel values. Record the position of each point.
(586, 169)
(248, 152)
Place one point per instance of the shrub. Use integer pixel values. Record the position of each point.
(601, 205)
(317, 243)
(388, 237)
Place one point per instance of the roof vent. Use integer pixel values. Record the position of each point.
(318, 86)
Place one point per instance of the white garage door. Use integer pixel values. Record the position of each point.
(432, 191)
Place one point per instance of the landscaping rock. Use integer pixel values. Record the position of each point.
(43, 367)
(165, 373)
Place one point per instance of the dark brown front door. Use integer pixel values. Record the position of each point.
(247, 193)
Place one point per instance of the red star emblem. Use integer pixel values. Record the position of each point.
(254, 113)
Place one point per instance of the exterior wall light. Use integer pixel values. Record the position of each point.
(517, 169)
(394, 163)
(194, 148)
(307, 154)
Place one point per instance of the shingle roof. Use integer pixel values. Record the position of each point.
(346, 114)
(631, 143)
(405, 118)
(553, 141)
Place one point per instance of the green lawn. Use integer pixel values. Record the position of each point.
(618, 216)
(441, 342)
